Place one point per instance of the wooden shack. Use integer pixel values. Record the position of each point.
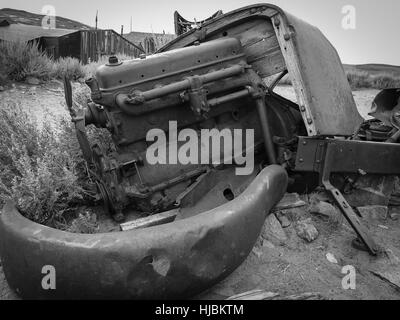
(85, 45)
(97, 43)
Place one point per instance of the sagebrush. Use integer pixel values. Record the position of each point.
(41, 169)
(20, 60)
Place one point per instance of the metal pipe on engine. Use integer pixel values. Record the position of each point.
(268, 142)
(141, 97)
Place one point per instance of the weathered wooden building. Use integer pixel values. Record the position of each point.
(97, 43)
(85, 45)
(149, 42)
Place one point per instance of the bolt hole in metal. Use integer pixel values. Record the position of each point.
(225, 33)
(228, 194)
(235, 115)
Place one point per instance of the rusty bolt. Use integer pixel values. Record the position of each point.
(309, 121)
(301, 160)
(302, 108)
(286, 36)
(277, 22)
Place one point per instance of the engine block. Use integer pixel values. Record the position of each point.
(202, 87)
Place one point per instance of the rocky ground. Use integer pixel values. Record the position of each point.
(301, 249)
(309, 252)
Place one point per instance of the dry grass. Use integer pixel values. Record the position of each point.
(374, 80)
(362, 79)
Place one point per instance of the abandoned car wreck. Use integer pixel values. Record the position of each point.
(207, 211)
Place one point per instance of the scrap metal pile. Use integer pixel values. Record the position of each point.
(210, 78)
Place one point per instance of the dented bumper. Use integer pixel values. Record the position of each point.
(175, 260)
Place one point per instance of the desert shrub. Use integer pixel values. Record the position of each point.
(41, 170)
(69, 67)
(84, 223)
(19, 60)
(358, 79)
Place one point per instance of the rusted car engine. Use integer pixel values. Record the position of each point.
(204, 86)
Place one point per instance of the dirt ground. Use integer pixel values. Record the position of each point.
(289, 266)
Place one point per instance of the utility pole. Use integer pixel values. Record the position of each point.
(131, 24)
(96, 20)
(122, 30)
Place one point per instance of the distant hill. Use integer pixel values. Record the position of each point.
(374, 68)
(28, 18)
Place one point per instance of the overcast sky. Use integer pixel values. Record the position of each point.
(375, 39)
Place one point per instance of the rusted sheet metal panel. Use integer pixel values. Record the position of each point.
(322, 89)
(175, 260)
(318, 77)
(252, 26)
(350, 156)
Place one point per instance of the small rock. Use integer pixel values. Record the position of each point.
(393, 259)
(323, 208)
(374, 212)
(383, 227)
(290, 200)
(306, 230)
(319, 196)
(273, 231)
(268, 244)
(295, 214)
(257, 252)
(32, 81)
(394, 216)
(32, 91)
(285, 223)
(394, 213)
(331, 258)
